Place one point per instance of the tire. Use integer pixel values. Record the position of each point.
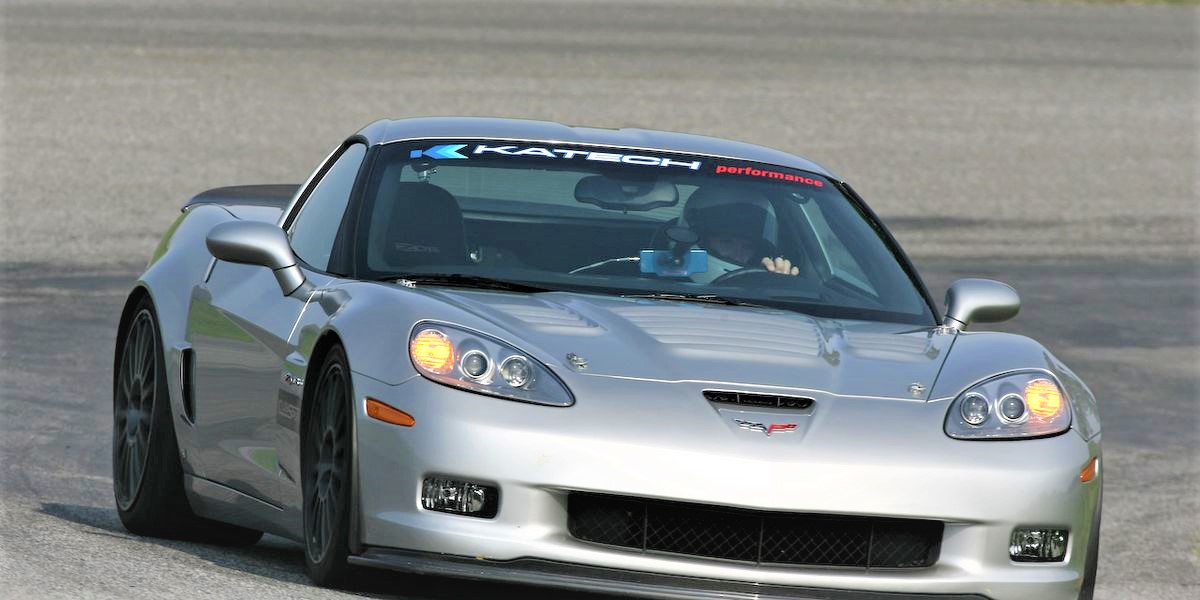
(326, 459)
(147, 475)
(1088, 588)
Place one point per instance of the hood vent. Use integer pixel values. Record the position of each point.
(757, 400)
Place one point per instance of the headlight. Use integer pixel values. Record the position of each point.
(1016, 405)
(477, 363)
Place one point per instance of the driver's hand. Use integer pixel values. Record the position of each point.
(780, 265)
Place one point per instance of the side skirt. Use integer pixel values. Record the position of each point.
(218, 502)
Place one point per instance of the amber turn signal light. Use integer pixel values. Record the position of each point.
(382, 412)
(432, 351)
(1089, 472)
(1043, 398)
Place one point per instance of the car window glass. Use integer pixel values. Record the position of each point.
(552, 188)
(316, 227)
(602, 220)
(841, 261)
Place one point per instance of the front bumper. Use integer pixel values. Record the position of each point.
(853, 456)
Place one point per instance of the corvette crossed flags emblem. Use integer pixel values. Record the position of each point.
(765, 428)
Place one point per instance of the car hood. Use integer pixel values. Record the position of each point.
(664, 340)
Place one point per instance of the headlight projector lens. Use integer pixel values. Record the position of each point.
(516, 371)
(1012, 408)
(475, 364)
(975, 409)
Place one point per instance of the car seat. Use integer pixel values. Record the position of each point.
(426, 228)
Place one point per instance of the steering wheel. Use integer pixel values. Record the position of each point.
(739, 273)
(618, 265)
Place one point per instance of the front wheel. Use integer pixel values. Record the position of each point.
(326, 460)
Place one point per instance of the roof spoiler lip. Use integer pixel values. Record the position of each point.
(275, 195)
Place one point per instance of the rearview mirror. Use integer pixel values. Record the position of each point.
(257, 243)
(626, 194)
(979, 300)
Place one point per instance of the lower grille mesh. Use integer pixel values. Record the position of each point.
(754, 536)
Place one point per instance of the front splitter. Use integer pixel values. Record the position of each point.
(582, 578)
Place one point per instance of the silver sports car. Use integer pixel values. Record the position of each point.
(628, 361)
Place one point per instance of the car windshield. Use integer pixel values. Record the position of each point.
(545, 216)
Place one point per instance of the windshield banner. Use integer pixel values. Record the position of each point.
(460, 151)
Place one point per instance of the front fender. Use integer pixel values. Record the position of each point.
(179, 262)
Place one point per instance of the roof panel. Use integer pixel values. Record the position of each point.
(548, 131)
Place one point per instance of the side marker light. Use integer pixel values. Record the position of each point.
(382, 412)
(1089, 472)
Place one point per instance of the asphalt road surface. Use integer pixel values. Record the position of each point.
(1053, 146)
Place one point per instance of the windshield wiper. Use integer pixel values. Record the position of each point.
(705, 298)
(463, 281)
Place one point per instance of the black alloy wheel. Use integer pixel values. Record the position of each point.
(147, 473)
(133, 407)
(327, 479)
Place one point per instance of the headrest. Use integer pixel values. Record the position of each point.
(426, 228)
(733, 209)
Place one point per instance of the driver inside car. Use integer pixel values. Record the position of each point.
(736, 229)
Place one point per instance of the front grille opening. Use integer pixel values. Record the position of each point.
(757, 400)
(757, 537)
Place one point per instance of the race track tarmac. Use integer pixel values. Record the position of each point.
(1053, 146)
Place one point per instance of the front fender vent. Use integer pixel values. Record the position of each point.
(757, 400)
(187, 368)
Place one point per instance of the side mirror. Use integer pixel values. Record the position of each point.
(257, 243)
(979, 300)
